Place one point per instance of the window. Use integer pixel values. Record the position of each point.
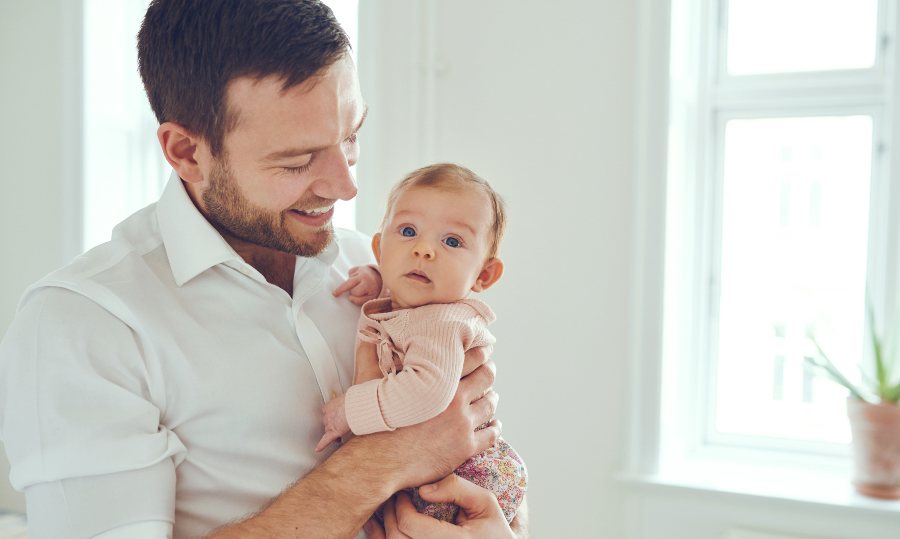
(123, 169)
(780, 213)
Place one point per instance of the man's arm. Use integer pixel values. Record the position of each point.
(339, 496)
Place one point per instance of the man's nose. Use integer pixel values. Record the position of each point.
(336, 179)
(422, 249)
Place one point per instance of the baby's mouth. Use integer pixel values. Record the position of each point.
(419, 276)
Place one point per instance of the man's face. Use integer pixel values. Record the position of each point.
(286, 161)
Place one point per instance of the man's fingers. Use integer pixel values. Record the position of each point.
(373, 529)
(488, 436)
(391, 529)
(484, 408)
(479, 382)
(414, 524)
(390, 519)
(476, 501)
(487, 404)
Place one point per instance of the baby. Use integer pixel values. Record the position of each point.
(438, 242)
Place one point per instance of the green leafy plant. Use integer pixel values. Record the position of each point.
(881, 389)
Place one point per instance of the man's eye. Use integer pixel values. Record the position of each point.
(453, 242)
(408, 231)
(298, 170)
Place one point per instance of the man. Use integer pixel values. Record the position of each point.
(169, 382)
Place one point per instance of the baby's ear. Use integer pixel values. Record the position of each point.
(489, 275)
(376, 247)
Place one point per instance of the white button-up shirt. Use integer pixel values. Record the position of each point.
(159, 377)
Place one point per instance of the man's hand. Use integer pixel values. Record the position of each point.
(363, 283)
(479, 516)
(334, 417)
(438, 446)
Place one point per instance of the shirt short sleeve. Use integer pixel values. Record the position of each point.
(79, 418)
(137, 504)
(151, 529)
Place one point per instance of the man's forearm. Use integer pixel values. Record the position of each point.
(334, 500)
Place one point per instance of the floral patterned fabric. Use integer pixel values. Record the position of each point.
(499, 469)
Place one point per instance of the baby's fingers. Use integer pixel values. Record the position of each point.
(358, 298)
(327, 439)
(346, 286)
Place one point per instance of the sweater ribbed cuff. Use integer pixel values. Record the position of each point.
(363, 410)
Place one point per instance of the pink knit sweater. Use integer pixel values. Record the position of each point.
(420, 353)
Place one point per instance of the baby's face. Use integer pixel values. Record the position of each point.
(435, 245)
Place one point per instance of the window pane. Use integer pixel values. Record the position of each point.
(124, 169)
(793, 263)
(347, 13)
(778, 36)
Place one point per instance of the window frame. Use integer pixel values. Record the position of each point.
(702, 98)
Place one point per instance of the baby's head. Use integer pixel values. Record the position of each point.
(440, 236)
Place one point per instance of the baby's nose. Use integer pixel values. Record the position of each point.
(424, 250)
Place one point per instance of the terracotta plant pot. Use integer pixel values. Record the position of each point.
(876, 448)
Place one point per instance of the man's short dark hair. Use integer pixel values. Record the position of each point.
(189, 50)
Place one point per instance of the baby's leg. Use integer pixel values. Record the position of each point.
(499, 469)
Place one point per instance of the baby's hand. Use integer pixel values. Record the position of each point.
(363, 283)
(335, 419)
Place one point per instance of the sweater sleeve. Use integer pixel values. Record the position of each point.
(422, 389)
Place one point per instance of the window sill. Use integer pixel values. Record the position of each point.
(12, 526)
(814, 488)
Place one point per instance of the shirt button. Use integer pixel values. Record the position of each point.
(333, 394)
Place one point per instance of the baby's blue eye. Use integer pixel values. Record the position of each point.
(452, 242)
(408, 231)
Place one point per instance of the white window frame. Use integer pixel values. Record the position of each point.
(678, 97)
(834, 93)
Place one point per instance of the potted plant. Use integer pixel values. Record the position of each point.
(873, 408)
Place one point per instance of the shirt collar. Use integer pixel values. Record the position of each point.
(193, 245)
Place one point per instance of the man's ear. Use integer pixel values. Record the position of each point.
(183, 150)
(376, 246)
(489, 275)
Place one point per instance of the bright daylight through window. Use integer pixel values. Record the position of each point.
(123, 169)
(786, 215)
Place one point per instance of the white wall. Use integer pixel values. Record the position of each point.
(31, 149)
(537, 97)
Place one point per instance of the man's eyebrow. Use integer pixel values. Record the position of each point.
(297, 152)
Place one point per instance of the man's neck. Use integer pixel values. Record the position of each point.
(276, 266)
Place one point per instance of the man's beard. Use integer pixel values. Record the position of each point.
(231, 213)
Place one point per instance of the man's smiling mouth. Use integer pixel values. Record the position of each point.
(315, 211)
